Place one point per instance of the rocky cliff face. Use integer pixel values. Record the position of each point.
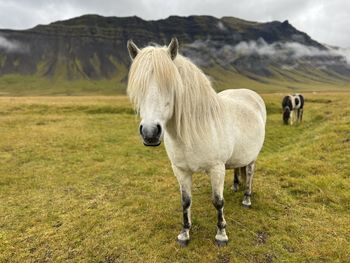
(94, 47)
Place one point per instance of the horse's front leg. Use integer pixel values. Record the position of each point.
(291, 117)
(185, 181)
(217, 177)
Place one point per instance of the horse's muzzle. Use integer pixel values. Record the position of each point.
(151, 134)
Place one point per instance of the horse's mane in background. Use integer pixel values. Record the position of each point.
(196, 103)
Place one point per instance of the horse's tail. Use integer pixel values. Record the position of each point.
(301, 97)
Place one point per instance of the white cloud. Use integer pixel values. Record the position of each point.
(287, 49)
(12, 46)
(344, 52)
(221, 26)
(283, 51)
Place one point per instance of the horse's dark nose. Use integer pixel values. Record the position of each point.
(151, 134)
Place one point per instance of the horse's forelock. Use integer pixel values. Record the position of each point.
(151, 62)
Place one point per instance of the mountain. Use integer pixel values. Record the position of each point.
(233, 52)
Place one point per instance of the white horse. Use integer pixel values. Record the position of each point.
(202, 130)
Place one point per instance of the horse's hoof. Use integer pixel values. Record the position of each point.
(221, 243)
(246, 202)
(183, 243)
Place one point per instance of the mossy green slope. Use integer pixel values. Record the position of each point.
(88, 55)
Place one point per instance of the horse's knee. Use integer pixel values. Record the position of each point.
(250, 168)
(185, 200)
(218, 202)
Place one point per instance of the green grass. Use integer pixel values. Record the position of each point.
(77, 185)
(283, 80)
(291, 81)
(19, 85)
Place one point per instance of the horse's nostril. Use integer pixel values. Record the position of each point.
(141, 127)
(159, 130)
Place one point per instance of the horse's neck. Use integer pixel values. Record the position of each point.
(211, 95)
(201, 92)
(196, 104)
(170, 127)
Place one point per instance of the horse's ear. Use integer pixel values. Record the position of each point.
(133, 49)
(173, 48)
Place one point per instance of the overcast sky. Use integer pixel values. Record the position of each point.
(327, 21)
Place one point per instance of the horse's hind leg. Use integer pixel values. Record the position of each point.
(300, 115)
(185, 181)
(217, 177)
(249, 180)
(236, 174)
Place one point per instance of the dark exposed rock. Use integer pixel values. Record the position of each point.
(94, 47)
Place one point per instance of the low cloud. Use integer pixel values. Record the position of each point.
(205, 52)
(221, 26)
(343, 52)
(11, 46)
(287, 50)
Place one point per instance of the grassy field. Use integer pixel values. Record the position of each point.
(19, 85)
(286, 81)
(77, 185)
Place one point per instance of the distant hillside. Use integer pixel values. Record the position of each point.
(235, 53)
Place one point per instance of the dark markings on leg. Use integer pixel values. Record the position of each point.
(219, 205)
(236, 179)
(236, 176)
(186, 203)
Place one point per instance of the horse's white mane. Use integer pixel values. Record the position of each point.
(196, 106)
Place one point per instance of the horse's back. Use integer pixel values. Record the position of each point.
(298, 100)
(246, 98)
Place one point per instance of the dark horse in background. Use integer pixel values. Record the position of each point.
(293, 107)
